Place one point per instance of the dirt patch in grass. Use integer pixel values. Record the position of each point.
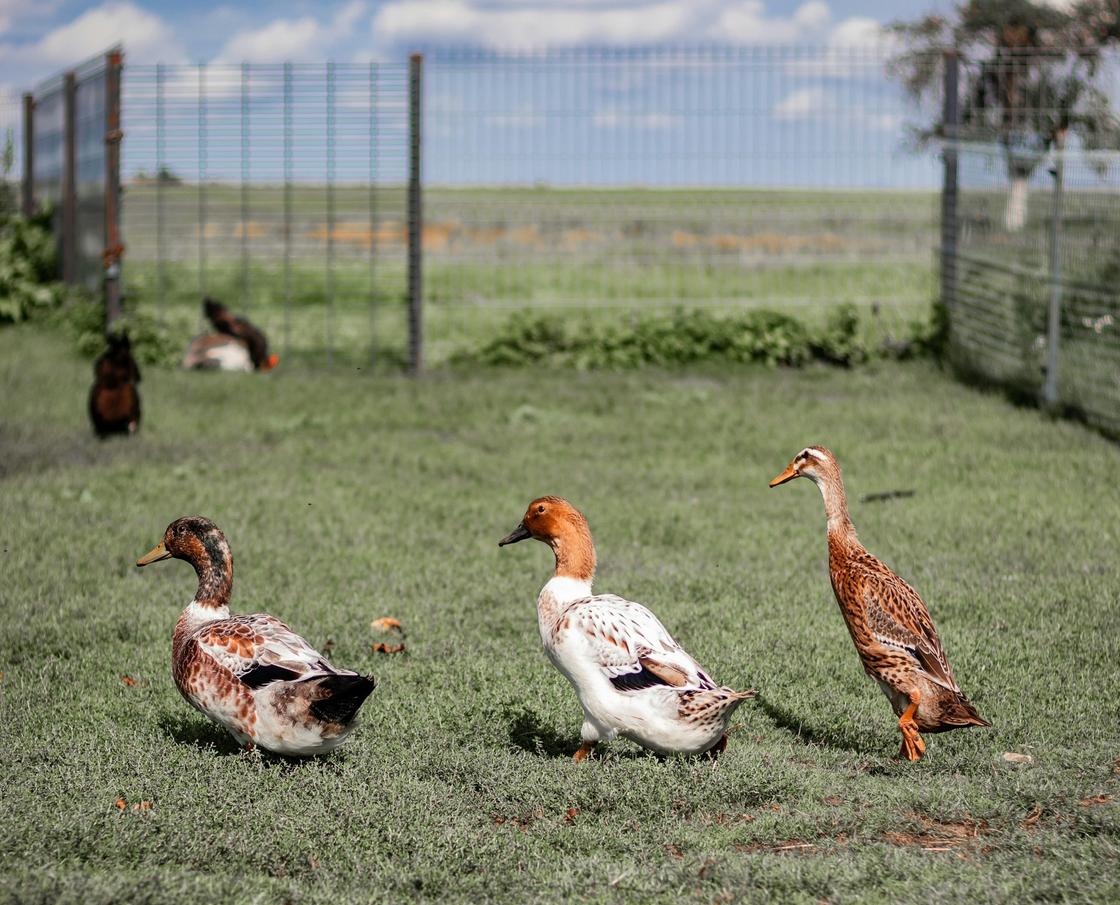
(938, 835)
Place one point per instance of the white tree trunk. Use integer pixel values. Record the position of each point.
(1015, 214)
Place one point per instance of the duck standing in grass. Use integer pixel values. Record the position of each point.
(114, 401)
(631, 677)
(888, 621)
(252, 674)
(236, 346)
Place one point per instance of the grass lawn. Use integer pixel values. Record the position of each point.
(347, 497)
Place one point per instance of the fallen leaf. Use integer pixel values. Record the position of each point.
(1012, 758)
(382, 648)
(120, 804)
(1094, 801)
(387, 624)
(571, 816)
(1032, 818)
(128, 680)
(142, 806)
(832, 800)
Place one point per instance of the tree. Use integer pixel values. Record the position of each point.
(1030, 74)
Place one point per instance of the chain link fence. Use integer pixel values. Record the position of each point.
(1032, 255)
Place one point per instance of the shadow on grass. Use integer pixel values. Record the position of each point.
(528, 733)
(829, 738)
(202, 734)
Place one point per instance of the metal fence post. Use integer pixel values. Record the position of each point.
(415, 215)
(113, 135)
(69, 211)
(1054, 314)
(28, 188)
(950, 123)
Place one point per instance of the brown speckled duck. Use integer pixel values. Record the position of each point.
(888, 621)
(252, 674)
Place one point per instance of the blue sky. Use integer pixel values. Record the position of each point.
(821, 127)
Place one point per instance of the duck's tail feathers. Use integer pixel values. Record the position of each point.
(340, 695)
(961, 712)
(721, 701)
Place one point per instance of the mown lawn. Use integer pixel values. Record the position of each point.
(347, 497)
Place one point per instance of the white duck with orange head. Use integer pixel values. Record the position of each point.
(632, 678)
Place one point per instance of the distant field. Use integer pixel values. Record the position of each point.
(488, 252)
(348, 497)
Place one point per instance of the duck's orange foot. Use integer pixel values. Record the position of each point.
(913, 747)
(718, 748)
(584, 752)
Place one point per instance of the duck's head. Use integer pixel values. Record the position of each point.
(193, 538)
(813, 462)
(556, 522)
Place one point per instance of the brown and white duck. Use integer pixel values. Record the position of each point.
(252, 674)
(631, 677)
(237, 345)
(887, 619)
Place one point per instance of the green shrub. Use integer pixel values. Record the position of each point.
(83, 319)
(677, 338)
(28, 268)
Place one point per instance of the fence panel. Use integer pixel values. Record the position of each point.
(11, 151)
(277, 189)
(1036, 305)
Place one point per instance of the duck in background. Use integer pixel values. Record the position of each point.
(632, 678)
(114, 402)
(887, 619)
(236, 346)
(252, 675)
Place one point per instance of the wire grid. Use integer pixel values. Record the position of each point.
(11, 129)
(636, 179)
(1005, 277)
(48, 140)
(1021, 243)
(277, 189)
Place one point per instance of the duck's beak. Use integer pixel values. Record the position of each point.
(518, 533)
(158, 552)
(788, 475)
(271, 362)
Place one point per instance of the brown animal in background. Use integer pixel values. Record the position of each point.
(238, 327)
(114, 402)
(889, 623)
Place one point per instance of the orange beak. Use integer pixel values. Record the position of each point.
(788, 475)
(158, 552)
(272, 362)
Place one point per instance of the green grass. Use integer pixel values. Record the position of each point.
(348, 497)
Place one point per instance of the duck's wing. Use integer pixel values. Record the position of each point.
(631, 646)
(898, 618)
(260, 649)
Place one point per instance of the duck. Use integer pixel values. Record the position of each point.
(631, 677)
(886, 618)
(252, 674)
(236, 346)
(114, 401)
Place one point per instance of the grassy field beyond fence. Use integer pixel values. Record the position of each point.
(347, 497)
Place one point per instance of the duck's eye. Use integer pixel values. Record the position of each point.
(540, 509)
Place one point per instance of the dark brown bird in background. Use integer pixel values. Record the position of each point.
(887, 619)
(114, 402)
(224, 321)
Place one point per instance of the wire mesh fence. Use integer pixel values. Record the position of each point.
(1034, 301)
(629, 180)
(11, 150)
(279, 190)
(596, 180)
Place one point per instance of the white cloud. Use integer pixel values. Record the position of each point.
(613, 119)
(284, 40)
(145, 36)
(539, 24)
(804, 103)
(746, 22)
(858, 31)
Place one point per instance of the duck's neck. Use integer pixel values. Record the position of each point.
(574, 573)
(840, 525)
(214, 567)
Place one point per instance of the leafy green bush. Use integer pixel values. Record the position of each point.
(669, 339)
(838, 342)
(83, 320)
(28, 268)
